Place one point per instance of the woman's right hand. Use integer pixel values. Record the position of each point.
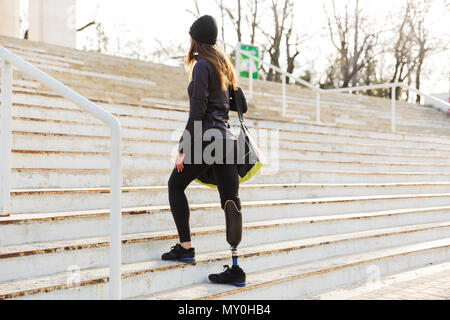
(179, 165)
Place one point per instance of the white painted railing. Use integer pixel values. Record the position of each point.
(320, 91)
(393, 86)
(8, 60)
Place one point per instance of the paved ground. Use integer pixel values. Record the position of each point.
(429, 283)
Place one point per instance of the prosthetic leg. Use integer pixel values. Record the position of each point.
(233, 220)
(234, 275)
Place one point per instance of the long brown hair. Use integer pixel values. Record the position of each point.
(220, 61)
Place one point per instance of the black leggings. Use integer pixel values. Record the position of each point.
(227, 183)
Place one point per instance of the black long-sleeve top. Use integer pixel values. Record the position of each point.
(208, 103)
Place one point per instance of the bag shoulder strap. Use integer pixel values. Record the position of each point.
(237, 101)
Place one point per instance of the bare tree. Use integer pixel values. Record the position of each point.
(252, 19)
(332, 74)
(421, 37)
(167, 51)
(355, 41)
(92, 21)
(275, 38)
(369, 71)
(235, 18)
(222, 17)
(293, 49)
(101, 41)
(346, 34)
(196, 13)
(87, 25)
(290, 56)
(405, 62)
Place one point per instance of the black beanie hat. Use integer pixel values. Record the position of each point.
(204, 29)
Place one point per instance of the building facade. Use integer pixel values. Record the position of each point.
(50, 21)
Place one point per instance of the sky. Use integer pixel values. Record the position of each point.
(169, 22)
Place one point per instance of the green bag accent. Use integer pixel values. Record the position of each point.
(251, 173)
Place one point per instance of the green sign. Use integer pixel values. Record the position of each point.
(244, 61)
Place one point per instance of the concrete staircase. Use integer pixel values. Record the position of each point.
(345, 196)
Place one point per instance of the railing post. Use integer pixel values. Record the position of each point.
(283, 89)
(318, 106)
(115, 241)
(393, 98)
(238, 59)
(250, 75)
(5, 139)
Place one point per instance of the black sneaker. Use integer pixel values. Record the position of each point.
(234, 275)
(178, 253)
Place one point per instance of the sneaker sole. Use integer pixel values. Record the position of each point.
(187, 259)
(237, 284)
(180, 259)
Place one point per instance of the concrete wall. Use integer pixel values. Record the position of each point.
(9, 18)
(53, 21)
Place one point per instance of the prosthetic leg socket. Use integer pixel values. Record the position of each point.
(233, 220)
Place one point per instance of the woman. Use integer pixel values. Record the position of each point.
(212, 75)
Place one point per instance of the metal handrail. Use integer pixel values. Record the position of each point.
(319, 91)
(8, 60)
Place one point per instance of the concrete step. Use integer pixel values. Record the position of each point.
(373, 121)
(411, 123)
(38, 141)
(168, 110)
(47, 104)
(274, 100)
(308, 279)
(51, 56)
(64, 114)
(362, 120)
(58, 109)
(82, 129)
(322, 128)
(366, 148)
(101, 160)
(160, 155)
(116, 86)
(54, 257)
(345, 102)
(284, 148)
(167, 70)
(106, 65)
(61, 69)
(58, 200)
(43, 227)
(159, 123)
(150, 277)
(88, 140)
(38, 178)
(84, 59)
(48, 133)
(347, 115)
(299, 109)
(111, 64)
